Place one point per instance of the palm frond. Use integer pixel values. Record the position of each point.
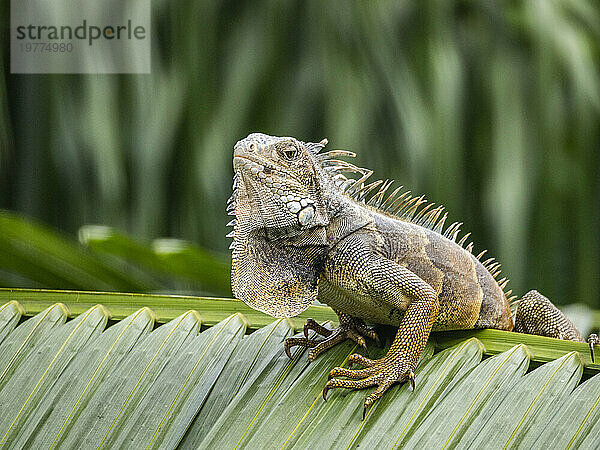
(66, 383)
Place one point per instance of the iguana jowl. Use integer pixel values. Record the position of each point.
(305, 229)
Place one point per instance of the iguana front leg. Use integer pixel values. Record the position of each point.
(397, 285)
(350, 328)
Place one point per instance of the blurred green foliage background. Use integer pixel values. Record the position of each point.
(491, 108)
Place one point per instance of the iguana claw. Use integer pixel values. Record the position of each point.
(593, 340)
(411, 378)
(349, 328)
(311, 324)
(382, 373)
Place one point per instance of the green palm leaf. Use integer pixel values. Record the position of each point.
(33, 255)
(167, 258)
(72, 383)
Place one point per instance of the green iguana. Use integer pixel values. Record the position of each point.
(305, 230)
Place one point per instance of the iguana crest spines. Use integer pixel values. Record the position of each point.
(403, 205)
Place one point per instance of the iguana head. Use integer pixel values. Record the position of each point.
(289, 209)
(279, 186)
(279, 230)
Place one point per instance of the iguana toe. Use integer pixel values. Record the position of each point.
(297, 341)
(354, 374)
(311, 324)
(335, 338)
(349, 328)
(367, 331)
(349, 384)
(357, 358)
(383, 373)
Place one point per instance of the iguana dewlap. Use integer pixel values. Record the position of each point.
(305, 229)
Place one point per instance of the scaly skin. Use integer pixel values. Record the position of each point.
(304, 232)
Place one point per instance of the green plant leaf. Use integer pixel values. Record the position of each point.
(37, 373)
(166, 307)
(91, 366)
(256, 414)
(167, 405)
(48, 259)
(341, 411)
(389, 422)
(77, 384)
(131, 379)
(10, 314)
(543, 349)
(251, 356)
(576, 422)
(452, 414)
(17, 346)
(516, 418)
(167, 258)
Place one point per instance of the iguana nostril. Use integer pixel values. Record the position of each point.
(238, 148)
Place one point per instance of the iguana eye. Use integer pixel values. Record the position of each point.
(290, 152)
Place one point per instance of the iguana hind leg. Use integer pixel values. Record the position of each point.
(350, 328)
(537, 315)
